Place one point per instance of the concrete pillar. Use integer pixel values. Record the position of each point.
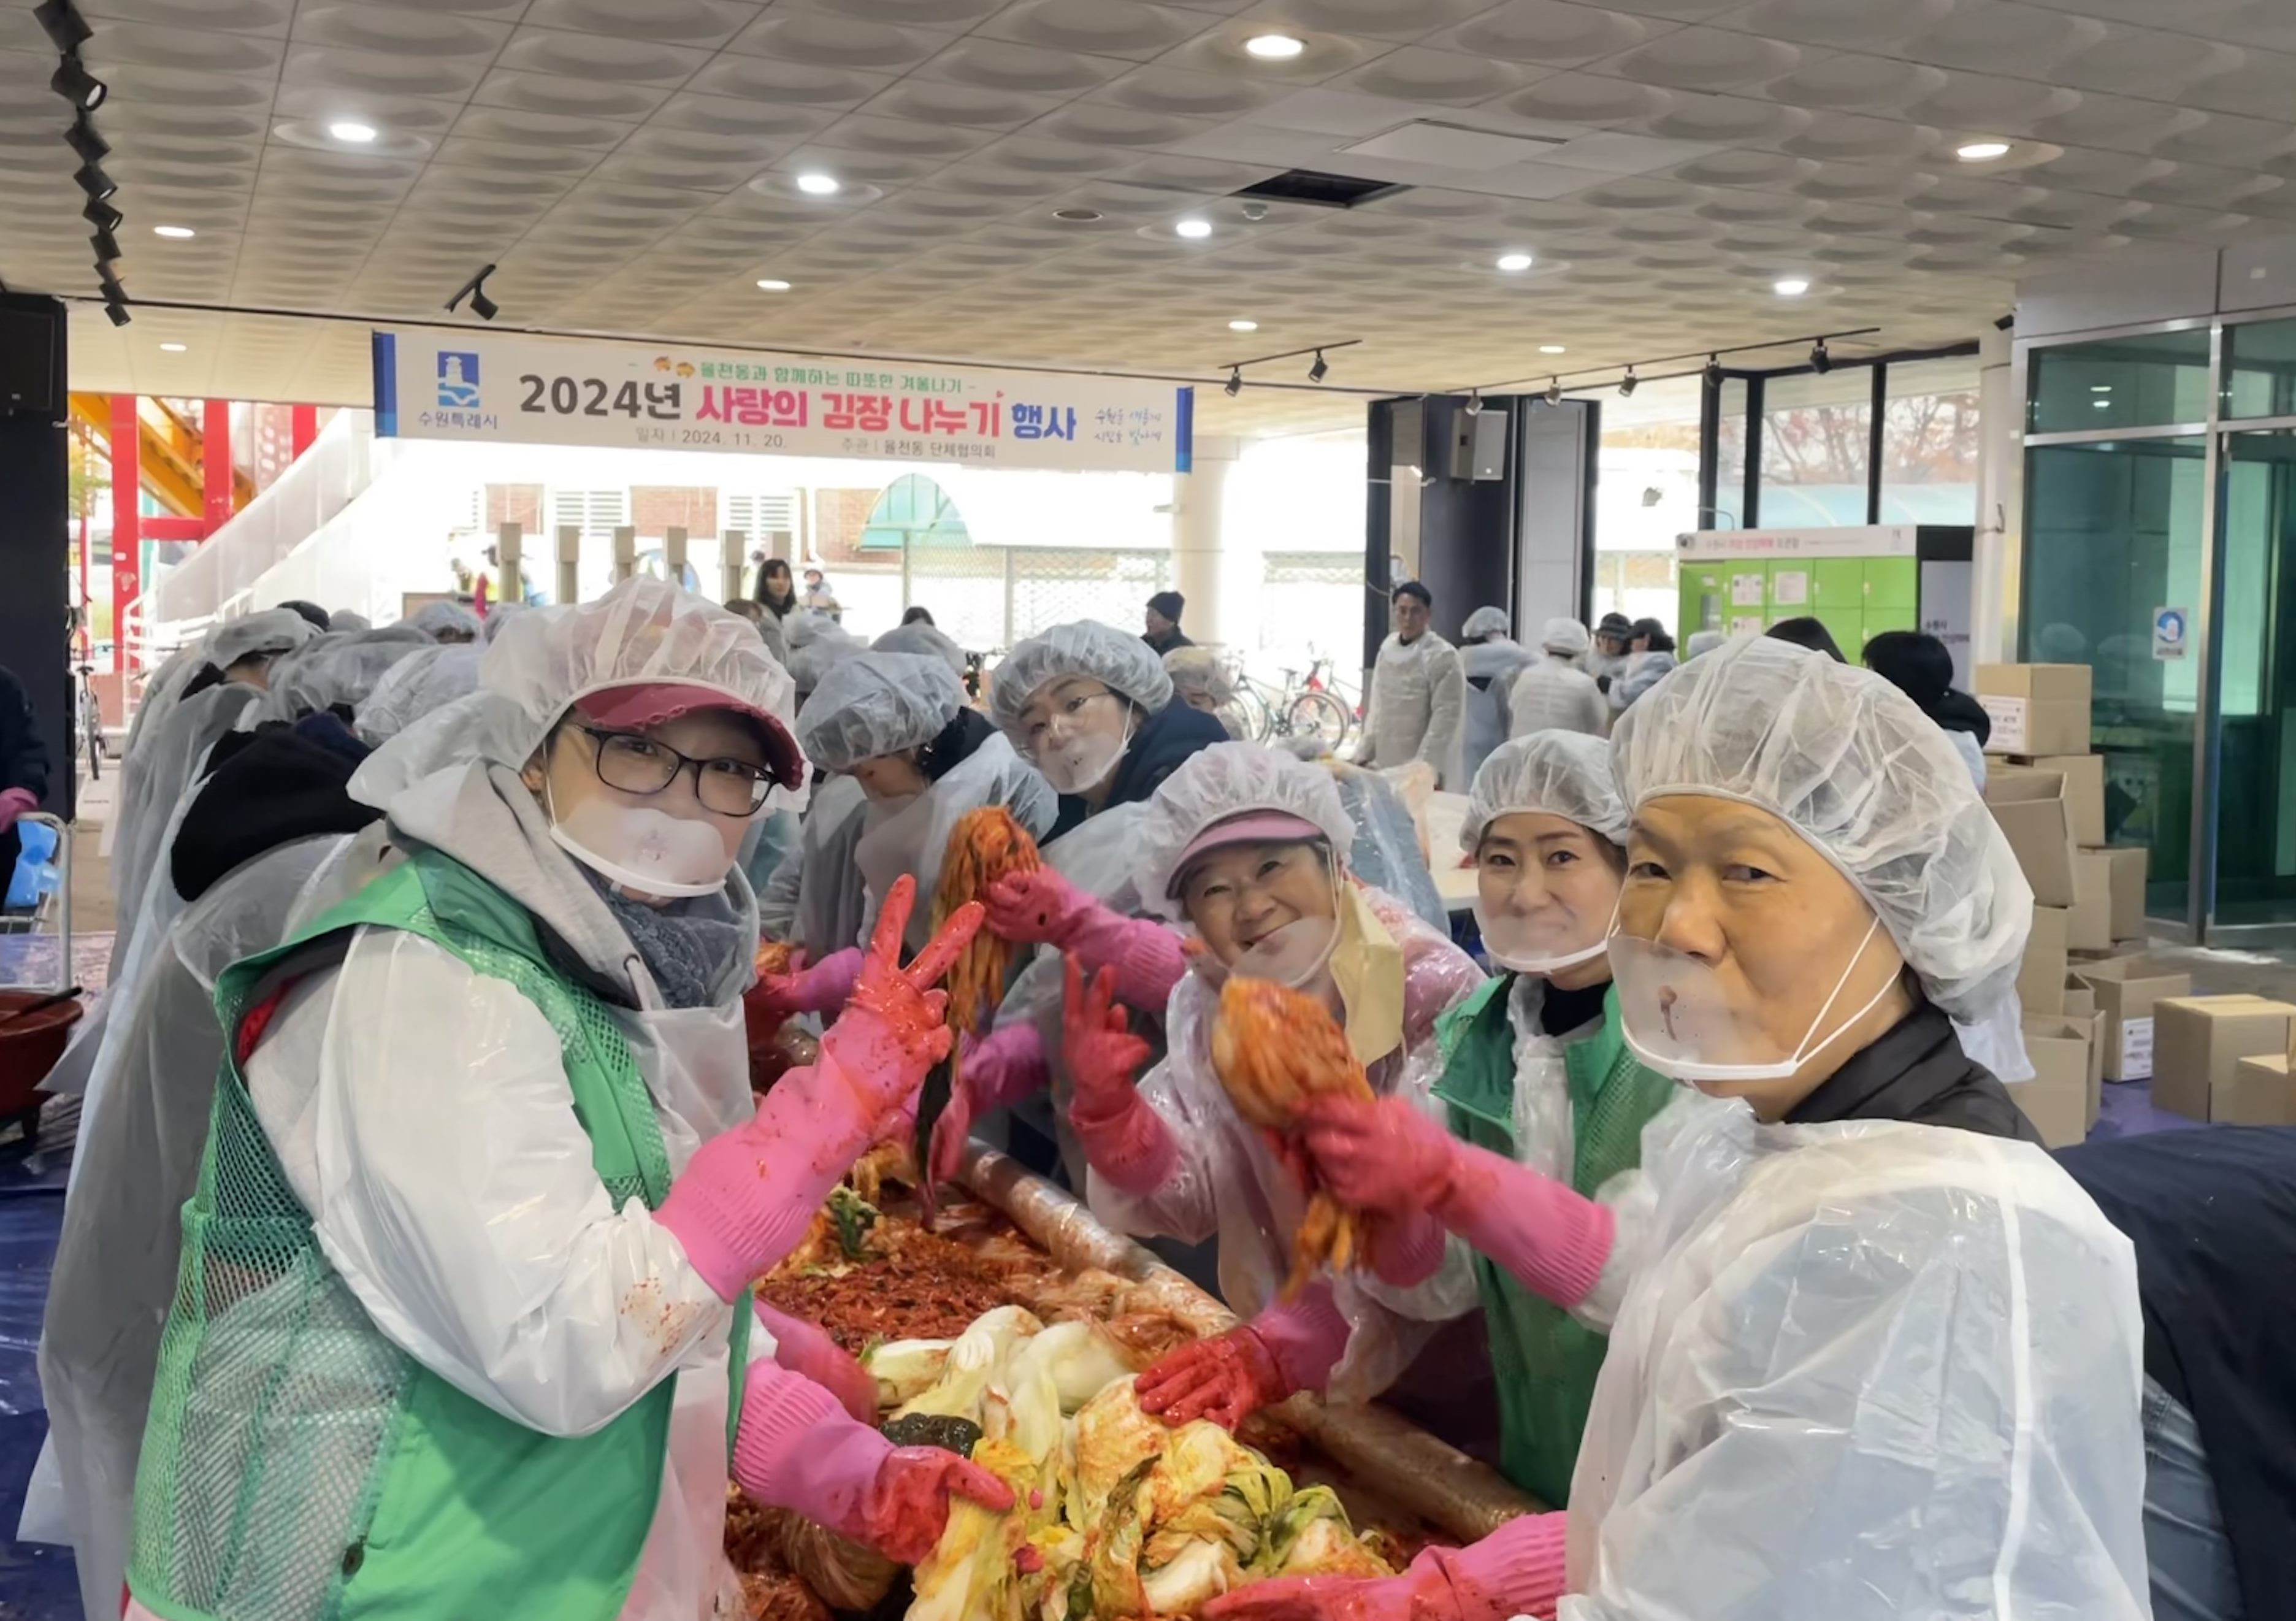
(732, 564)
(507, 585)
(1197, 548)
(673, 555)
(625, 553)
(570, 559)
(1998, 558)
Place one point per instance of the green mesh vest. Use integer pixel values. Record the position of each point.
(1545, 1359)
(297, 1465)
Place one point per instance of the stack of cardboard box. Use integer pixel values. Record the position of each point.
(2040, 715)
(2223, 1058)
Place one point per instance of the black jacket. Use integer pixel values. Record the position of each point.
(1917, 1072)
(23, 760)
(1164, 740)
(1174, 637)
(267, 788)
(2212, 1217)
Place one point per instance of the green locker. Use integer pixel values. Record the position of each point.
(1840, 585)
(1893, 582)
(1705, 597)
(1854, 596)
(1848, 631)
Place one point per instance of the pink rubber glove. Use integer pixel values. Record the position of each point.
(819, 987)
(1387, 1157)
(806, 1349)
(1124, 1139)
(1517, 1570)
(1040, 907)
(746, 1195)
(997, 1071)
(15, 802)
(796, 1450)
(1227, 1379)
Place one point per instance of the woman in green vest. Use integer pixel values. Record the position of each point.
(462, 1322)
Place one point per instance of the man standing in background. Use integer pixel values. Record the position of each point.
(1418, 692)
(1163, 632)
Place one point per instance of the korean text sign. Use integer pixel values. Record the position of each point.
(476, 387)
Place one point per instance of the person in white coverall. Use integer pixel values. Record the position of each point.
(1418, 707)
(1489, 659)
(1556, 693)
(464, 1326)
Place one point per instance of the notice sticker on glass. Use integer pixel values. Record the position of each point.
(1789, 589)
(1746, 591)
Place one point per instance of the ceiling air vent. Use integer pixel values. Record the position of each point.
(1319, 190)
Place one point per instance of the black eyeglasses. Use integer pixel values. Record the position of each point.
(637, 764)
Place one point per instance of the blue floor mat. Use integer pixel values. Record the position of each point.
(38, 1583)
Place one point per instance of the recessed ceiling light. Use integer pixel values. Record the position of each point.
(1791, 287)
(1274, 47)
(1514, 262)
(772, 285)
(356, 133)
(175, 233)
(175, 348)
(1978, 152)
(2101, 404)
(2100, 388)
(1194, 229)
(1077, 216)
(1243, 326)
(818, 185)
(1551, 349)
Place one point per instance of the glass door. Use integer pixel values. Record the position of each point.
(2256, 640)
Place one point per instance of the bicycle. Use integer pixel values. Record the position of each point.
(1302, 707)
(89, 731)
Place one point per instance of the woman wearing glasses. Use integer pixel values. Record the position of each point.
(463, 1323)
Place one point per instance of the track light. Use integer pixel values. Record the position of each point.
(1475, 402)
(106, 246)
(66, 28)
(77, 84)
(81, 137)
(117, 311)
(475, 289)
(94, 182)
(113, 292)
(1234, 383)
(1820, 361)
(1626, 384)
(96, 212)
(1320, 370)
(1713, 373)
(1554, 392)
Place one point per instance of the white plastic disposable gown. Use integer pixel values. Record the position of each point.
(814, 899)
(915, 840)
(136, 1167)
(1873, 1372)
(1229, 1185)
(1556, 695)
(1418, 706)
(1495, 666)
(166, 768)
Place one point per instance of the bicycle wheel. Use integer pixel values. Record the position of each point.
(1253, 721)
(1317, 714)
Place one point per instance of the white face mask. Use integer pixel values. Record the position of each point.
(1547, 941)
(1678, 1019)
(1079, 762)
(641, 848)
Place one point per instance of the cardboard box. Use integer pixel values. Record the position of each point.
(2198, 1042)
(2041, 978)
(2126, 989)
(2080, 1001)
(2036, 709)
(2057, 1098)
(2088, 922)
(2031, 807)
(2262, 1093)
(2126, 872)
(2084, 775)
(2069, 683)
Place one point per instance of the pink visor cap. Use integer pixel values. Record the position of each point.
(635, 708)
(1252, 828)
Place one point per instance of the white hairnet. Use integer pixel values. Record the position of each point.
(1199, 669)
(448, 619)
(928, 640)
(1564, 774)
(1225, 780)
(1567, 636)
(1852, 765)
(1485, 622)
(500, 615)
(877, 703)
(274, 630)
(343, 618)
(333, 670)
(809, 662)
(429, 679)
(1705, 641)
(805, 626)
(1116, 658)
